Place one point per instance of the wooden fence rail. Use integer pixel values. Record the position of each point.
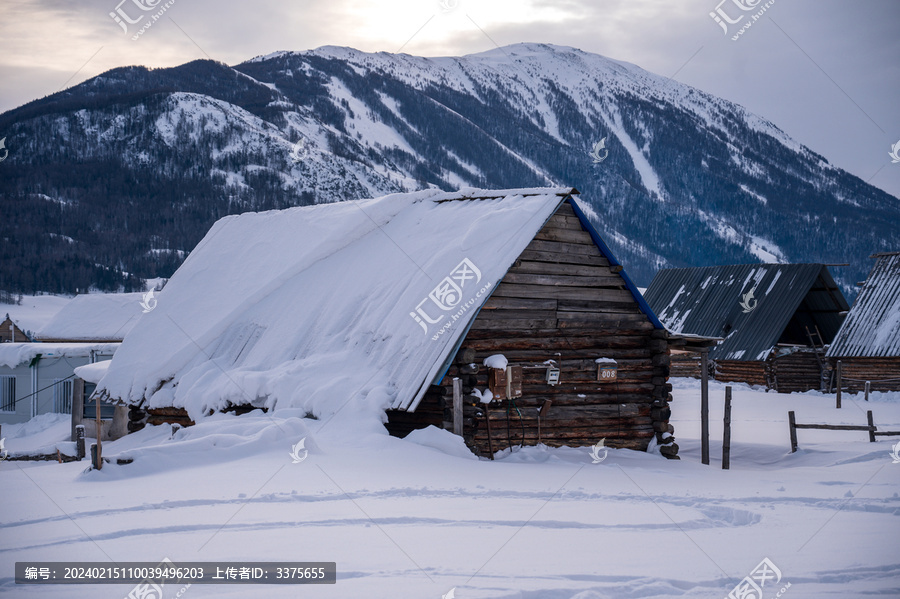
(870, 427)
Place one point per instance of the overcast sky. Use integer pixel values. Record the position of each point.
(825, 71)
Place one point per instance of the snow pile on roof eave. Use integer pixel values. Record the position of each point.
(92, 373)
(15, 354)
(312, 307)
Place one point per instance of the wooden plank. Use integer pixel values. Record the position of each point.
(606, 317)
(549, 233)
(548, 268)
(569, 305)
(572, 358)
(560, 257)
(510, 324)
(726, 433)
(515, 303)
(837, 398)
(792, 424)
(566, 209)
(704, 406)
(457, 407)
(560, 415)
(557, 280)
(540, 245)
(580, 293)
(574, 344)
(517, 314)
(561, 221)
(590, 434)
(612, 324)
(591, 390)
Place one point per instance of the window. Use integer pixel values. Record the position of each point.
(7, 394)
(62, 396)
(107, 410)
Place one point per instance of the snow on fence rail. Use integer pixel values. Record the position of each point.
(871, 428)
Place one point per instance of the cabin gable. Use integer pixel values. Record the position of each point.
(562, 300)
(11, 333)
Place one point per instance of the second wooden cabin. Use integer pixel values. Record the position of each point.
(868, 344)
(774, 320)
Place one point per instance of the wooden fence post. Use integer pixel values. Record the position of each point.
(837, 398)
(99, 461)
(79, 441)
(793, 424)
(487, 421)
(704, 406)
(868, 387)
(726, 434)
(871, 426)
(457, 407)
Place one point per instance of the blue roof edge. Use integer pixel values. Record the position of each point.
(604, 249)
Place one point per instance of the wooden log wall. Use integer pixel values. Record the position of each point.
(796, 371)
(563, 301)
(735, 371)
(685, 363)
(875, 370)
(787, 373)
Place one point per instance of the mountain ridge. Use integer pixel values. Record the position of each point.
(137, 163)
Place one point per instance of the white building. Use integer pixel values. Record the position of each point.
(38, 378)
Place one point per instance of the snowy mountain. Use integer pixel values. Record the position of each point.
(116, 179)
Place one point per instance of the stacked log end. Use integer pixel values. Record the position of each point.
(661, 411)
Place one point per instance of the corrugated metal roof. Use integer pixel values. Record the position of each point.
(872, 329)
(753, 306)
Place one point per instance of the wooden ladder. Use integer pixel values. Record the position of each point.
(818, 345)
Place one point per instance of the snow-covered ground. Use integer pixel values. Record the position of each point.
(417, 519)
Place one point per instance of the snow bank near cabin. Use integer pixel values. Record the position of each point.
(310, 307)
(45, 433)
(169, 447)
(441, 440)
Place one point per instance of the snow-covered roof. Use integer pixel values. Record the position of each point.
(35, 310)
(94, 317)
(872, 328)
(317, 306)
(14, 354)
(751, 307)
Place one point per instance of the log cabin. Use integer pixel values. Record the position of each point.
(775, 321)
(501, 316)
(868, 343)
